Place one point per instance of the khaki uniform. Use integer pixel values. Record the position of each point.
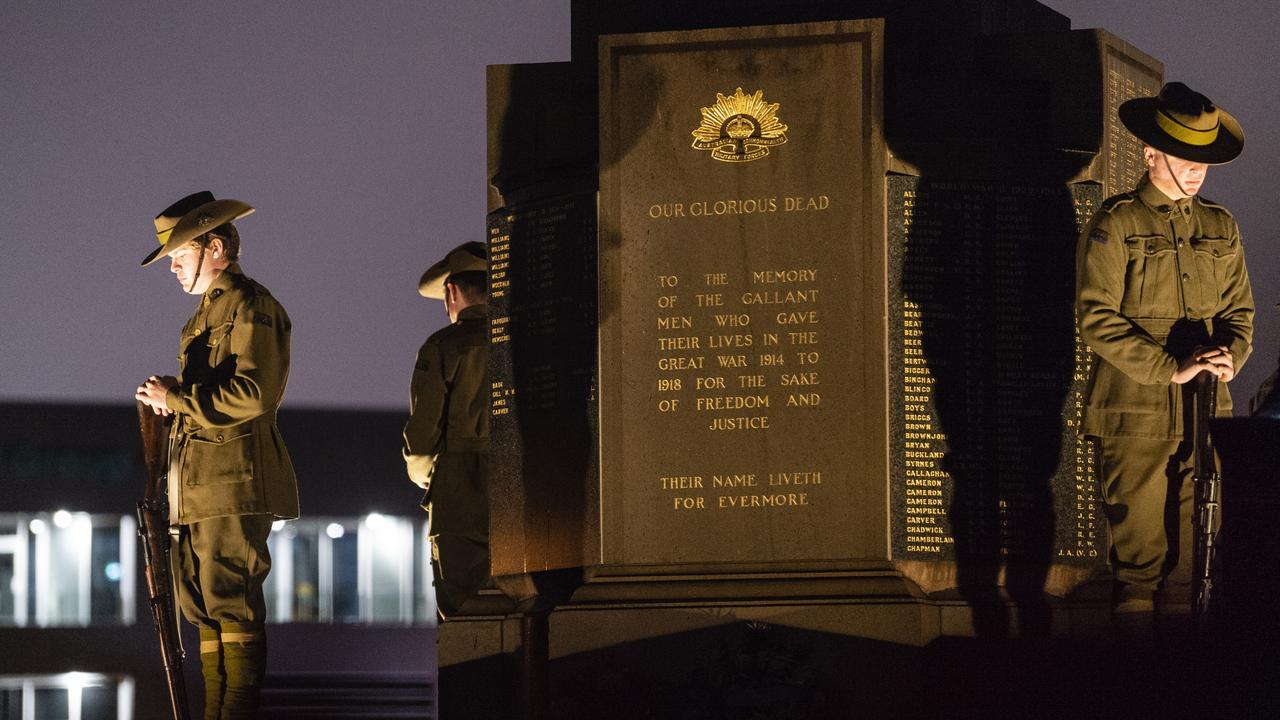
(1154, 279)
(446, 450)
(227, 450)
(229, 476)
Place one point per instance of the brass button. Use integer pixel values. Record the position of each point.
(1215, 253)
(1186, 276)
(1188, 314)
(220, 436)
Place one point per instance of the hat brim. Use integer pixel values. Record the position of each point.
(431, 284)
(1139, 116)
(198, 222)
(468, 257)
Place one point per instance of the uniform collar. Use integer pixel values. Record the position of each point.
(222, 284)
(1155, 198)
(473, 311)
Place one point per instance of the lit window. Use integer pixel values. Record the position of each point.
(67, 568)
(370, 570)
(69, 696)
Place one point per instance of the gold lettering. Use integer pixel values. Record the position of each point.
(756, 422)
(733, 481)
(779, 297)
(675, 322)
(680, 363)
(739, 320)
(763, 501)
(803, 204)
(804, 400)
(762, 277)
(681, 482)
(796, 478)
(797, 318)
(807, 378)
(685, 342)
(733, 402)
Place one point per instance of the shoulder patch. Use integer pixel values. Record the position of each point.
(1098, 235)
(263, 319)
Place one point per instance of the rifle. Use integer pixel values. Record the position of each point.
(153, 531)
(1206, 515)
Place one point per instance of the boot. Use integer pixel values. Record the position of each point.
(215, 680)
(244, 655)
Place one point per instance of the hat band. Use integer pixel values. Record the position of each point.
(1190, 136)
(163, 235)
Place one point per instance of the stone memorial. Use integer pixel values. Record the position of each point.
(783, 334)
(741, 286)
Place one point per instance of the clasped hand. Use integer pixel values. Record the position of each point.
(1213, 358)
(152, 393)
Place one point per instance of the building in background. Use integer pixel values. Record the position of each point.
(348, 597)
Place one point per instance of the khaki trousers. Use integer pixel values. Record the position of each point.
(459, 528)
(219, 566)
(1148, 494)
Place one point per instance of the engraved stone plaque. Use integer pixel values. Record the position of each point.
(542, 377)
(1128, 74)
(742, 357)
(987, 374)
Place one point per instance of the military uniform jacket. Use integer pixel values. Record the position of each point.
(226, 453)
(1154, 278)
(449, 417)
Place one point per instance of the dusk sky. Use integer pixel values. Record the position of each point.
(357, 130)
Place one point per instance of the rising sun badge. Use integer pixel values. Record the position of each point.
(740, 128)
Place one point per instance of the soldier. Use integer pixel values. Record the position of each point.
(1161, 294)
(229, 473)
(446, 440)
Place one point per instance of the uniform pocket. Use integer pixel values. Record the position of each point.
(1112, 390)
(219, 343)
(1150, 283)
(219, 333)
(220, 458)
(1214, 256)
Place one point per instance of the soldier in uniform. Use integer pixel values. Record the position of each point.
(229, 473)
(1161, 294)
(446, 439)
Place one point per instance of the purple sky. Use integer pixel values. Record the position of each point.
(357, 130)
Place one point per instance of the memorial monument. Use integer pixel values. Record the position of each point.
(783, 339)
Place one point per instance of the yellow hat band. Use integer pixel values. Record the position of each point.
(1190, 136)
(163, 235)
